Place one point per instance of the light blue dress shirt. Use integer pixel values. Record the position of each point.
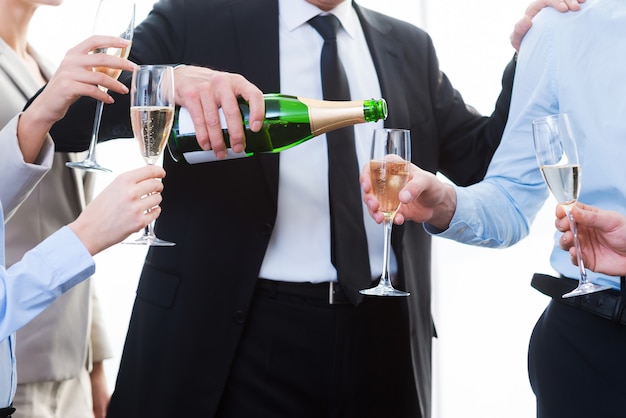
(44, 273)
(572, 63)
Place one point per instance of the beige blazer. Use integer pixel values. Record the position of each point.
(69, 334)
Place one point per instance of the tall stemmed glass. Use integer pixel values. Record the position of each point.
(116, 18)
(389, 170)
(557, 156)
(151, 115)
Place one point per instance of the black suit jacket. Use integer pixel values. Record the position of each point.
(192, 299)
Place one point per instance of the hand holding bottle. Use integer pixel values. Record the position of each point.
(203, 91)
(74, 78)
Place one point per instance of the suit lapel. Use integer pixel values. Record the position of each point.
(256, 23)
(388, 59)
(15, 70)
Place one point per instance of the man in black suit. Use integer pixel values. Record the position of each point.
(236, 319)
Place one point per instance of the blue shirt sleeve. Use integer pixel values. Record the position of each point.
(44, 273)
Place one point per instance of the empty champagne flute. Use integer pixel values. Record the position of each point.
(151, 115)
(389, 171)
(557, 156)
(116, 18)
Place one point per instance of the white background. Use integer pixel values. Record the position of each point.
(484, 307)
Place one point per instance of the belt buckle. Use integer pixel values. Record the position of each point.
(335, 295)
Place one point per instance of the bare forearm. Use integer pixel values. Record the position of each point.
(444, 211)
(32, 130)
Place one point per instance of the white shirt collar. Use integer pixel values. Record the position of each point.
(296, 13)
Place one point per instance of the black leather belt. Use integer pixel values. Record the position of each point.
(330, 292)
(6, 412)
(608, 304)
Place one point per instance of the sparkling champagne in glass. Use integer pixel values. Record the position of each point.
(115, 18)
(557, 156)
(152, 114)
(389, 171)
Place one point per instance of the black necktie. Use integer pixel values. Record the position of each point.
(348, 241)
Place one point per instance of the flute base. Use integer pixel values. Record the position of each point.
(585, 288)
(383, 290)
(88, 165)
(150, 240)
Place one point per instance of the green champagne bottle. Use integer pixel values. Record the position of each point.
(289, 121)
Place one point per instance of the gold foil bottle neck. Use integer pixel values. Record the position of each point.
(325, 116)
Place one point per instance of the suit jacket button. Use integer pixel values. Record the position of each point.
(267, 228)
(240, 317)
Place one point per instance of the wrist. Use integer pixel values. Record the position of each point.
(97, 369)
(444, 211)
(83, 233)
(32, 132)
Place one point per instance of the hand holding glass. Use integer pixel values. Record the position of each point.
(115, 18)
(389, 171)
(151, 115)
(557, 156)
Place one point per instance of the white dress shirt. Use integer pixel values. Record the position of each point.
(299, 248)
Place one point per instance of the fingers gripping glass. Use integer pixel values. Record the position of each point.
(115, 18)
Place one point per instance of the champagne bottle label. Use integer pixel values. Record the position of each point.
(186, 128)
(185, 124)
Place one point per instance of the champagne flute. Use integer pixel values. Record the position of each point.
(389, 170)
(116, 18)
(151, 115)
(557, 156)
